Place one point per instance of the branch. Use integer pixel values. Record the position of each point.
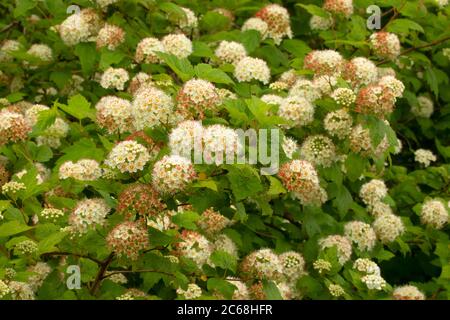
(101, 273)
(71, 254)
(137, 271)
(431, 44)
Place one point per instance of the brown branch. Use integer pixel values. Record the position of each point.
(431, 44)
(137, 271)
(71, 254)
(9, 26)
(100, 274)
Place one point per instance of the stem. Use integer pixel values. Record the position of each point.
(436, 42)
(101, 273)
(72, 254)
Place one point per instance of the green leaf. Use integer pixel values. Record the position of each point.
(276, 187)
(355, 165)
(222, 286)
(432, 81)
(210, 184)
(212, 22)
(224, 260)
(271, 291)
(48, 244)
(78, 107)
(182, 67)
(108, 58)
(88, 56)
(11, 228)
(186, 219)
(201, 49)
(314, 10)
(22, 6)
(403, 26)
(244, 181)
(206, 72)
(250, 39)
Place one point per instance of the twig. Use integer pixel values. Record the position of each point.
(104, 265)
(137, 271)
(436, 42)
(71, 254)
(9, 26)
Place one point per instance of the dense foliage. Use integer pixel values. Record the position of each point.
(102, 104)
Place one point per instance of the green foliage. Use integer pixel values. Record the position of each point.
(228, 231)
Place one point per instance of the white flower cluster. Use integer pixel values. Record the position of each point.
(224, 243)
(177, 44)
(8, 47)
(424, 157)
(146, 50)
(52, 214)
(424, 107)
(114, 114)
(339, 7)
(195, 97)
(434, 214)
(298, 110)
(278, 22)
(87, 214)
(324, 62)
(4, 289)
(262, 264)
(320, 23)
(190, 21)
(258, 25)
(187, 135)
(40, 271)
(220, 143)
(336, 290)
(272, 99)
(230, 51)
(306, 89)
(248, 69)
(129, 156)
(151, 107)
(373, 192)
(360, 71)
(344, 96)
(362, 234)
(392, 83)
(293, 265)
(374, 282)
(300, 177)
(289, 146)
(83, 170)
(194, 246)
(172, 174)
(319, 150)
(366, 266)
(13, 187)
(342, 244)
(338, 123)
(388, 227)
(385, 44)
(110, 36)
(114, 78)
(26, 247)
(408, 292)
(193, 291)
(79, 27)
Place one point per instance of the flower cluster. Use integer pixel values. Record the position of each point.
(127, 239)
(84, 170)
(129, 156)
(172, 174)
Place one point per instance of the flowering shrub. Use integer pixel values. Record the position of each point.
(103, 110)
